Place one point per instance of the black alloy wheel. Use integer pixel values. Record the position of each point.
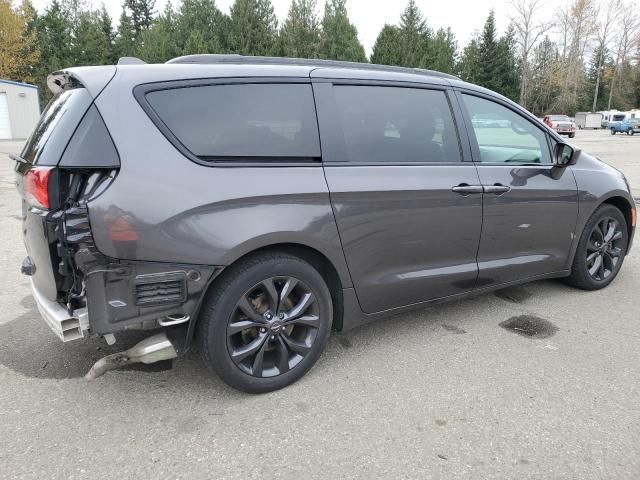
(604, 248)
(601, 249)
(273, 326)
(265, 322)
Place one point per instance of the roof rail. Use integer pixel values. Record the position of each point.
(312, 62)
(131, 61)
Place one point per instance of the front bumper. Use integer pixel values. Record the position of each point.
(67, 326)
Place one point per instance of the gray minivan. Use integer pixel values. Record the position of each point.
(254, 204)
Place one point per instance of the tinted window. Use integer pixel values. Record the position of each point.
(61, 116)
(91, 145)
(503, 135)
(393, 124)
(257, 120)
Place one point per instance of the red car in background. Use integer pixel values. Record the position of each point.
(561, 124)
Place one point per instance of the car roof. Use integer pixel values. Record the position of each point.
(130, 72)
(314, 63)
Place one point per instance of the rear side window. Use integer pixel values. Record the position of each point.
(91, 144)
(218, 122)
(57, 123)
(396, 125)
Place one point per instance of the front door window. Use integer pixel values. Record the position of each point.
(503, 136)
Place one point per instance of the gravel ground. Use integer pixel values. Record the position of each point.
(443, 393)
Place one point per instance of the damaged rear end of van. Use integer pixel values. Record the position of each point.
(69, 161)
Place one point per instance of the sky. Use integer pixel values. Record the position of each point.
(369, 16)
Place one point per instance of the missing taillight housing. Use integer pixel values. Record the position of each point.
(36, 187)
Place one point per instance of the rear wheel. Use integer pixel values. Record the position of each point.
(601, 249)
(266, 322)
(613, 132)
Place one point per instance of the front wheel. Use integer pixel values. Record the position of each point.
(613, 132)
(601, 249)
(265, 322)
(572, 135)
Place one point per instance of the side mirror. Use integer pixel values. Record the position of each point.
(564, 155)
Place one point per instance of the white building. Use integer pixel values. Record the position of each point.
(19, 109)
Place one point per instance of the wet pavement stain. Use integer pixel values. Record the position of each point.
(453, 329)
(513, 294)
(530, 326)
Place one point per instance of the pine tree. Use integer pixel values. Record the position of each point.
(201, 28)
(415, 37)
(135, 19)
(507, 70)
(141, 14)
(339, 38)
(91, 45)
(469, 65)
(443, 52)
(300, 33)
(125, 44)
(491, 62)
(53, 31)
(488, 54)
(106, 25)
(253, 27)
(160, 41)
(386, 49)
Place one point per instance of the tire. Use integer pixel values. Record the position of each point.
(572, 135)
(288, 347)
(616, 248)
(613, 132)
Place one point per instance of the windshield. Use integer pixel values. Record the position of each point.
(556, 118)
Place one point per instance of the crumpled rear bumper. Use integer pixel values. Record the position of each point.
(67, 326)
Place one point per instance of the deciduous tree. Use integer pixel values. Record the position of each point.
(528, 31)
(18, 49)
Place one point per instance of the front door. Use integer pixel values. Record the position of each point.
(530, 205)
(408, 208)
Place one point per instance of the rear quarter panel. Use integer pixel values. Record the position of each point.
(174, 210)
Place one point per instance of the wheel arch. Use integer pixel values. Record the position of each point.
(317, 260)
(626, 208)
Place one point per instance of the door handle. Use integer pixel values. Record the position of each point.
(466, 189)
(496, 189)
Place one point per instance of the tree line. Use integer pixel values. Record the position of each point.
(585, 57)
